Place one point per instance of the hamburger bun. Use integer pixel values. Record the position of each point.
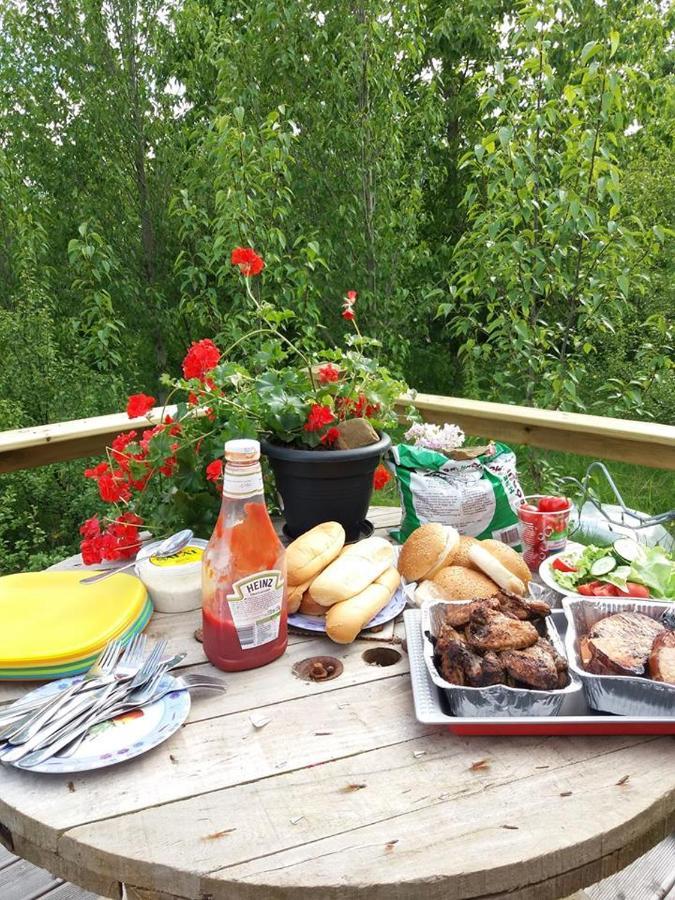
(460, 583)
(429, 548)
(509, 558)
(491, 566)
(461, 557)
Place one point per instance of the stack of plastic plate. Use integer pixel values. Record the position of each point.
(51, 625)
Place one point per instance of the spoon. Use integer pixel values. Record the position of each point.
(168, 547)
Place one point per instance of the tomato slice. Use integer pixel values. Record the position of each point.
(634, 590)
(553, 504)
(563, 566)
(585, 590)
(605, 590)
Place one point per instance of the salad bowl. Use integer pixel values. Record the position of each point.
(626, 570)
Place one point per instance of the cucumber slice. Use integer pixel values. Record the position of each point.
(603, 566)
(627, 549)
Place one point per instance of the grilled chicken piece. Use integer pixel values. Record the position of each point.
(480, 671)
(490, 629)
(522, 607)
(535, 665)
(448, 648)
(620, 644)
(459, 614)
(662, 658)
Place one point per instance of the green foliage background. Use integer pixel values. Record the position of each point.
(495, 179)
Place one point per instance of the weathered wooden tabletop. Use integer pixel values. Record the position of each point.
(342, 794)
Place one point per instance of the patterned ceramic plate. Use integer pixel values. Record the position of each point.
(125, 737)
(318, 623)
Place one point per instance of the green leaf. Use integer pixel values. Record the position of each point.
(589, 50)
(622, 281)
(614, 42)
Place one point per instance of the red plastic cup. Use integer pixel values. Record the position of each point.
(541, 533)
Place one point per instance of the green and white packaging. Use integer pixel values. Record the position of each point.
(477, 496)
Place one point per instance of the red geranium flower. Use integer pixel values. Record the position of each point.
(328, 373)
(97, 471)
(201, 358)
(112, 487)
(214, 470)
(348, 314)
(330, 437)
(318, 417)
(139, 405)
(381, 477)
(351, 296)
(248, 261)
(119, 541)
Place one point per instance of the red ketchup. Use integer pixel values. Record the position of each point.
(243, 571)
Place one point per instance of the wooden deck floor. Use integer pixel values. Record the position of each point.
(652, 877)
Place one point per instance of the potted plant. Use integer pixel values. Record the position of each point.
(322, 418)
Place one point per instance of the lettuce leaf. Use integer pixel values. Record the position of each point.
(583, 563)
(655, 568)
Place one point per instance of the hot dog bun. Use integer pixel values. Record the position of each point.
(295, 594)
(312, 551)
(344, 620)
(355, 568)
(309, 608)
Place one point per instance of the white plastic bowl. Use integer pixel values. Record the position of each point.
(174, 583)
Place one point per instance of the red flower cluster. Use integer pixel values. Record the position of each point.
(328, 373)
(129, 469)
(201, 357)
(381, 477)
(118, 541)
(318, 417)
(348, 305)
(139, 405)
(330, 437)
(356, 409)
(214, 470)
(248, 261)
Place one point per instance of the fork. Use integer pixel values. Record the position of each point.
(151, 693)
(39, 711)
(82, 708)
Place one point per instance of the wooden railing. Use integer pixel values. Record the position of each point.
(643, 443)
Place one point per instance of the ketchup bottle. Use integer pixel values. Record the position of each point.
(243, 571)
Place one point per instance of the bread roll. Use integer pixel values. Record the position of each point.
(312, 551)
(355, 568)
(295, 593)
(461, 557)
(428, 590)
(510, 558)
(428, 549)
(309, 607)
(460, 583)
(491, 566)
(344, 620)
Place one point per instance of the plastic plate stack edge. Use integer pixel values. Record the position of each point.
(576, 716)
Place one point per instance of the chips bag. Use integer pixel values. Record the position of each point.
(477, 494)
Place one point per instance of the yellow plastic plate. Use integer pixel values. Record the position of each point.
(49, 617)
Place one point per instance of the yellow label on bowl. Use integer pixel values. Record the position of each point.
(184, 557)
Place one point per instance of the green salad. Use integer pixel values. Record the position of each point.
(627, 569)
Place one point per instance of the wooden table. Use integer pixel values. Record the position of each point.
(342, 794)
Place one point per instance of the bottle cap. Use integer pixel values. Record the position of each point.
(242, 450)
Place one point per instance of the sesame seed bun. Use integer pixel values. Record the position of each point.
(509, 558)
(428, 549)
(460, 583)
(461, 557)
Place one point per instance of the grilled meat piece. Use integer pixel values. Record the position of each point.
(459, 614)
(535, 666)
(448, 649)
(662, 658)
(480, 671)
(490, 629)
(522, 607)
(668, 618)
(620, 644)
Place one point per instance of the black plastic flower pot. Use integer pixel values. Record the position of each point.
(317, 486)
